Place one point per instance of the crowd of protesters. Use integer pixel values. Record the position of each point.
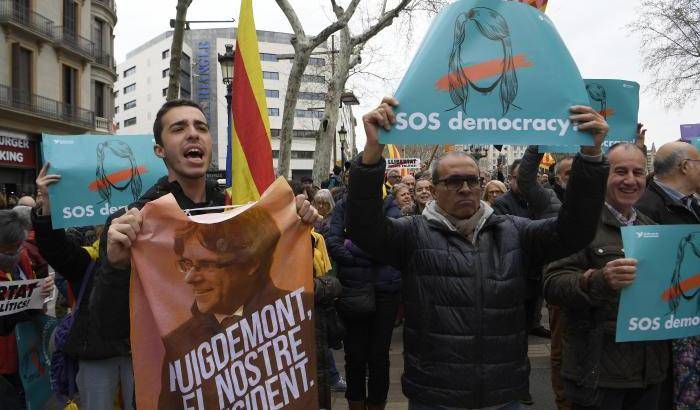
(465, 260)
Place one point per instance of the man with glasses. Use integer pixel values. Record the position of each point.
(225, 264)
(464, 268)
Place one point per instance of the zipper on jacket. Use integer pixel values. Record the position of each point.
(479, 336)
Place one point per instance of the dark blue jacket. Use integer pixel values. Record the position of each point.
(355, 267)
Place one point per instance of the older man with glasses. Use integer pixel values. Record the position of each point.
(464, 268)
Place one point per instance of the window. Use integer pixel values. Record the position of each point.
(21, 73)
(98, 36)
(100, 89)
(272, 93)
(116, 109)
(165, 91)
(307, 78)
(274, 132)
(304, 134)
(116, 94)
(273, 112)
(311, 96)
(165, 54)
(130, 121)
(165, 72)
(308, 114)
(184, 93)
(317, 61)
(70, 86)
(271, 75)
(302, 155)
(131, 104)
(70, 18)
(129, 71)
(268, 57)
(129, 88)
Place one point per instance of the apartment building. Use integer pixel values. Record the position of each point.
(143, 80)
(56, 77)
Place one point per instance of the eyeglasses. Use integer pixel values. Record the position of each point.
(455, 183)
(186, 266)
(690, 160)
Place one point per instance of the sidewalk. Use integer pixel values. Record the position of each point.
(540, 387)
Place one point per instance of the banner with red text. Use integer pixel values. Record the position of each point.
(221, 307)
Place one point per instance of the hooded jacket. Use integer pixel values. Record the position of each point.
(465, 339)
(110, 294)
(356, 267)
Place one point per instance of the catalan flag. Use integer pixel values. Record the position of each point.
(250, 163)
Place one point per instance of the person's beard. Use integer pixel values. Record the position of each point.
(7, 262)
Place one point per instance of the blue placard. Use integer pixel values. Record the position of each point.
(618, 102)
(662, 302)
(489, 72)
(99, 175)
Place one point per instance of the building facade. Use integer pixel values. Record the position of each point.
(205, 86)
(56, 78)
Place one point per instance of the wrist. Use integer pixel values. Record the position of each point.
(372, 153)
(591, 151)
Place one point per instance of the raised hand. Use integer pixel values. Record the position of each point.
(590, 120)
(382, 116)
(43, 180)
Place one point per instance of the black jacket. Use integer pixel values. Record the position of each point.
(535, 201)
(465, 341)
(71, 261)
(110, 294)
(664, 210)
(356, 267)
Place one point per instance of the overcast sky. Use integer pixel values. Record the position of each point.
(594, 31)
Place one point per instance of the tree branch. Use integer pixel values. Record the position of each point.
(293, 19)
(384, 21)
(342, 21)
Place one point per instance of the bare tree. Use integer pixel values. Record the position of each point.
(176, 49)
(670, 31)
(303, 47)
(349, 55)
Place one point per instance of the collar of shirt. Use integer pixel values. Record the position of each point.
(674, 194)
(237, 313)
(621, 218)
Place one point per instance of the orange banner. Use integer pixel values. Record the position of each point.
(221, 307)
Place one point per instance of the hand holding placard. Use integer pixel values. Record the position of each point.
(590, 120)
(42, 185)
(382, 116)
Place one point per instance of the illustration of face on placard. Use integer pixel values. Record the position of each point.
(489, 72)
(618, 102)
(684, 286)
(117, 170)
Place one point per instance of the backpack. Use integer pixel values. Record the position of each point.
(64, 368)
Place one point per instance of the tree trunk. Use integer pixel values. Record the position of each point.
(301, 60)
(327, 131)
(176, 50)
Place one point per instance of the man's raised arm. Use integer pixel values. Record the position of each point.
(385, 239)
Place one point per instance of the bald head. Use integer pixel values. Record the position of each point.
(677, 164)
(670, 155)
(451, 157)
(27, 201)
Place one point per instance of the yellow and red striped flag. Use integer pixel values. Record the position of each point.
(250, 162)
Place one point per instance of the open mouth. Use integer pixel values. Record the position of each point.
(194, 154)
(628, 191)
(200, 292)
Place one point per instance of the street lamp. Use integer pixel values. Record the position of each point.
(226, 62)
(342, 136)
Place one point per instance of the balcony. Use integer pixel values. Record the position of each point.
(103, 125)
(105, 60)
(108, 5)
(73, 43)
(25, 20)
(47, 108)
